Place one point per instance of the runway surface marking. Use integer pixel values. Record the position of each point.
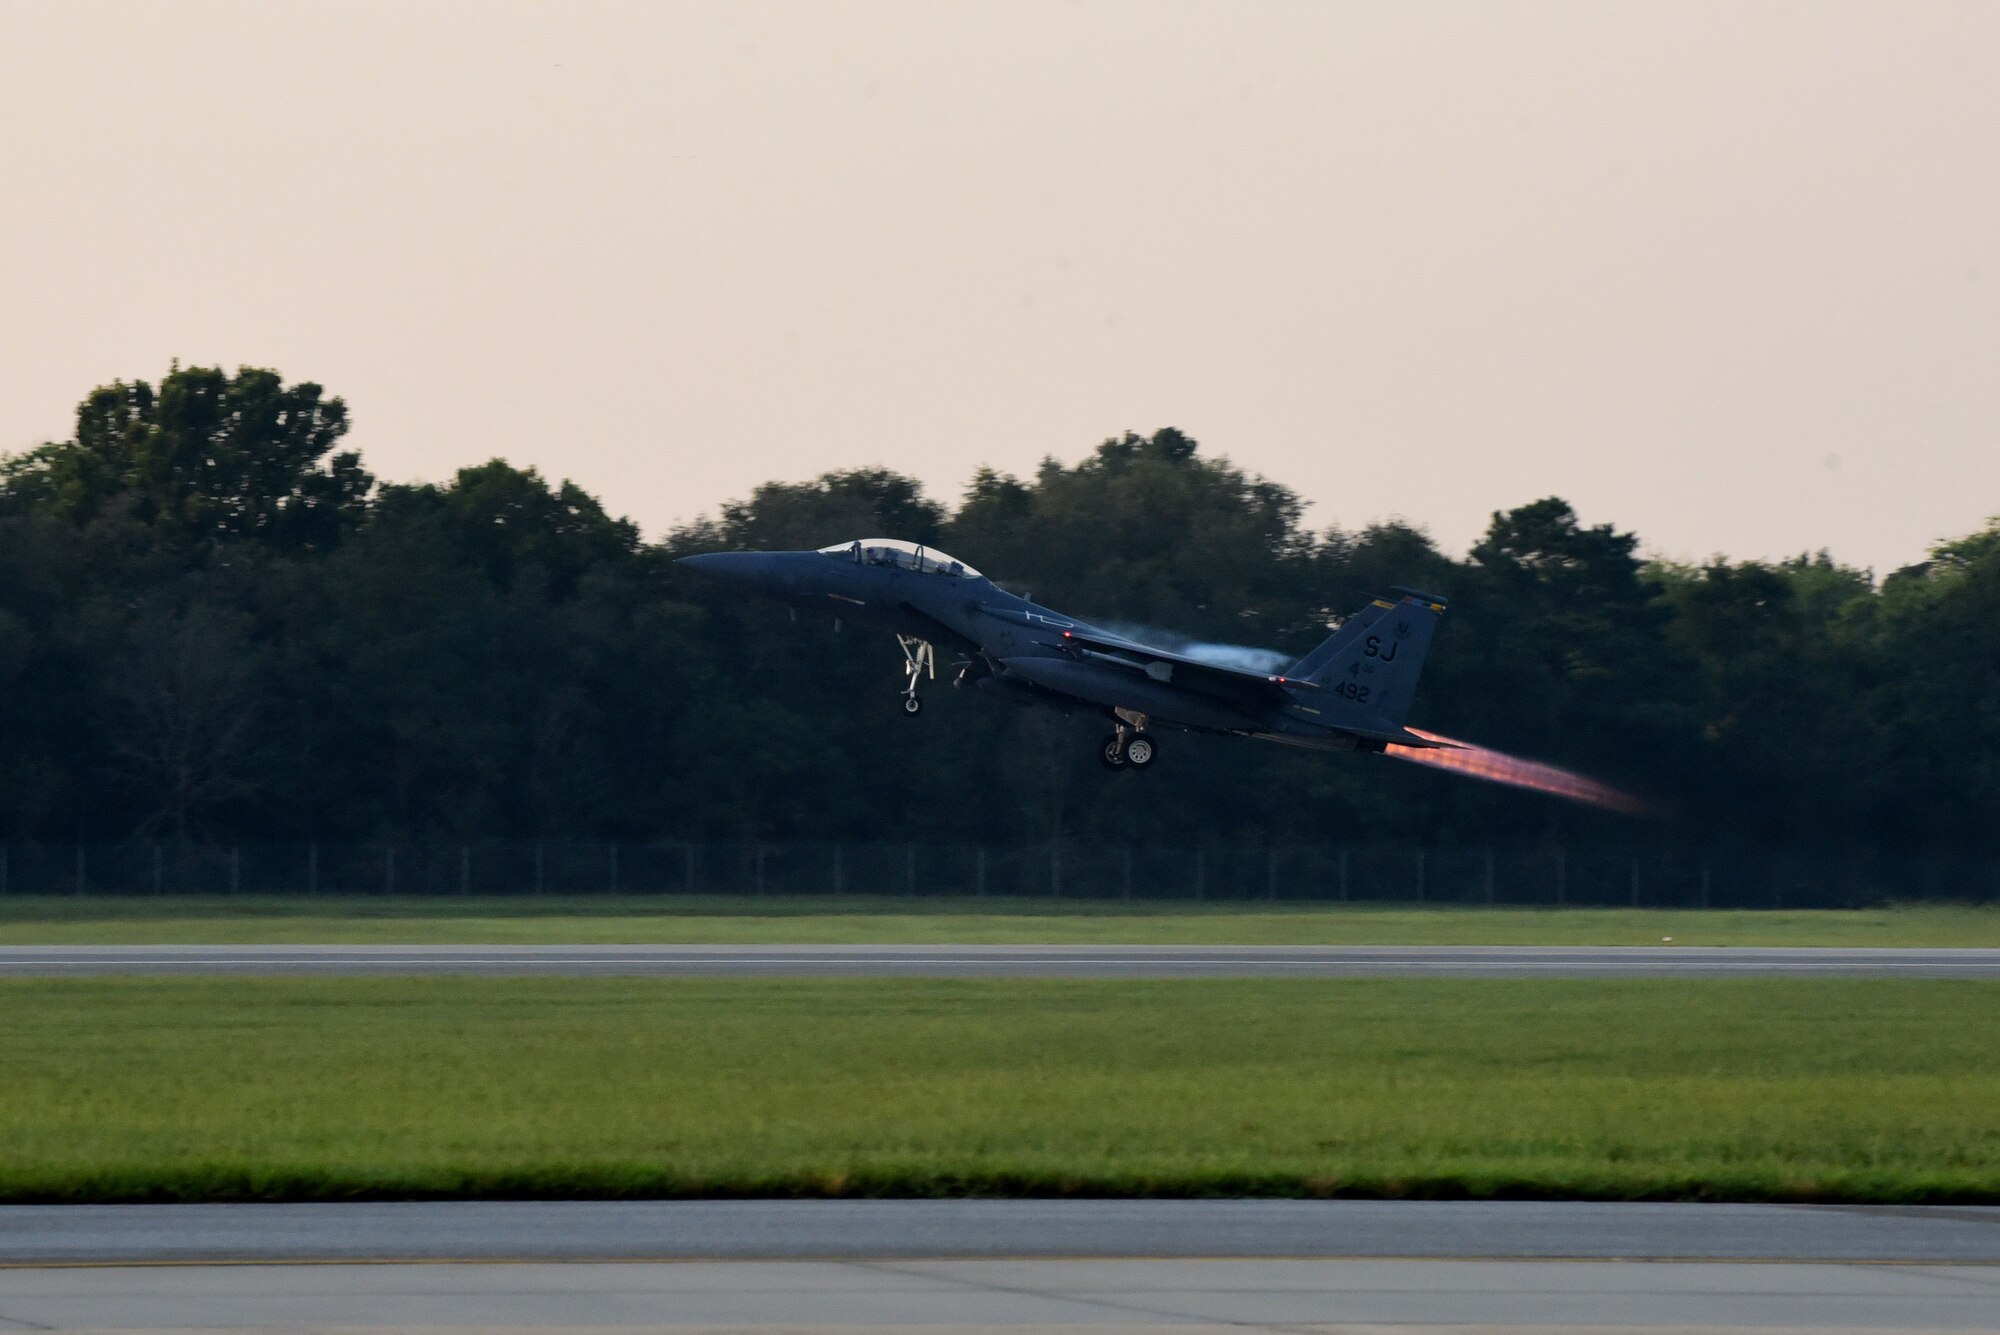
(1022, 961)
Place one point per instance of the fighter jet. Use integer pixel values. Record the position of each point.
(1349, 694)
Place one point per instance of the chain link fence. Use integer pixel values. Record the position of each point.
(1317, 874)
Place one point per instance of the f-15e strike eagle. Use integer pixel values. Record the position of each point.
(1349, 694)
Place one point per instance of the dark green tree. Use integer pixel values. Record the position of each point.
(213, 625)
(208, 459)
(858, 503)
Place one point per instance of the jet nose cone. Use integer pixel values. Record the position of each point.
(742, 569)
(707, 563)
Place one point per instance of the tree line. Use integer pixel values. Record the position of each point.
(216, 624)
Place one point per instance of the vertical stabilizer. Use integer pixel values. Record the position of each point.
(1370, 678)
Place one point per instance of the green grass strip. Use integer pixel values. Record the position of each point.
(799, 920)
(246, 1089)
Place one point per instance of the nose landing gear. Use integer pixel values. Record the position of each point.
(919, 659)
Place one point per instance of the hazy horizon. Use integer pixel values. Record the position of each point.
(1722, 275)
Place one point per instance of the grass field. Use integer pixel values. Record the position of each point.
(219, 1089)
(226, 920)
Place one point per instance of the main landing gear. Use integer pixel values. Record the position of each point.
(1128, 749)
(919, 659)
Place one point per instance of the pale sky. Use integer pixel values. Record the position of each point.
(1721, 273)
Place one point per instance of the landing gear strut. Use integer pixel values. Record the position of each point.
(919, 660)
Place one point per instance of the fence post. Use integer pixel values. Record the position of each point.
(1421, 888)
(235, 870)
(1343, 876)
(611, 871)
(1562, 877)
(1489, 876)
(389, 869)
(312, 868)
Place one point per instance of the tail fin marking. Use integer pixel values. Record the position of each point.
(1345, 634)
(1372, 675)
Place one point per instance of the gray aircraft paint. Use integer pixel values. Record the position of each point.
(1351, 693)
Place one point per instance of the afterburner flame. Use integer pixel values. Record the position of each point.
(1498, 767)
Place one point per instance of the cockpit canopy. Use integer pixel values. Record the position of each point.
(896, 552)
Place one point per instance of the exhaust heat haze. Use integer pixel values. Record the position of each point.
(1499, 767)
(1243, 657)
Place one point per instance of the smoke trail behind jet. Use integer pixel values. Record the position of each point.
(1498, 767)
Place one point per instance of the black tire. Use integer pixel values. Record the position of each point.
(912, 706)
(1112, 753)
(1140, 752)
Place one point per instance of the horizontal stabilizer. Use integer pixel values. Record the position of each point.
(1416, 741)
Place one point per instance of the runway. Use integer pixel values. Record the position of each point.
(991, 1229)
(960, 1266)
(1184, 1297)
(954, 961)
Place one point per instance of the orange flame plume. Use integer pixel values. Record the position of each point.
(1498, 767)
